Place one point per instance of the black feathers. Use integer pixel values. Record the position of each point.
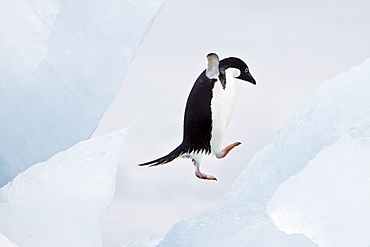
(197, 122)
(177, 152)
(234, 62)
(198, 116)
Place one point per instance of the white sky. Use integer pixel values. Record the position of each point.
(291, 47)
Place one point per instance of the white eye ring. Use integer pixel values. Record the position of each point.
(246, 70)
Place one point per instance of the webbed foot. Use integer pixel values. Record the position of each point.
(227, 149)
(204, 176)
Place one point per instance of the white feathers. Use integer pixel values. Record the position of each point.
(222, 106)
(234, 72)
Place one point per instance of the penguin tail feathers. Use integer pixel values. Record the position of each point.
(165, 159)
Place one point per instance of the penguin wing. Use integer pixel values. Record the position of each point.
(177, 152)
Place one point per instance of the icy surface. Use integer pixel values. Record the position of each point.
(144, 242)
(339, 106)
(329, 199)
(61, 65)
(62, 202)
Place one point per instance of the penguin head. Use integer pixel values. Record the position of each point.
(239, 68)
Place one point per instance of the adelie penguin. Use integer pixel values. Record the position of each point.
(208, 111)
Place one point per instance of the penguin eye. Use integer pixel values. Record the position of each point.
(246, 70)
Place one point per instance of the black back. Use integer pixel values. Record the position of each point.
(197, 122)
(198, 116)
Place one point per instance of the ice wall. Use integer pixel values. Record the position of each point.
(62, 202)
(62, 63)
(339, 106)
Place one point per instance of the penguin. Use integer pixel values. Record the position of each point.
(208, 111)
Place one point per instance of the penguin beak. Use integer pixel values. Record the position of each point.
(251, 79)
(247, 77)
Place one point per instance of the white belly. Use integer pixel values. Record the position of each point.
(222, 106)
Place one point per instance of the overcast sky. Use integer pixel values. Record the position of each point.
(291, 47)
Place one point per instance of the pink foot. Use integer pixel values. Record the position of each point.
(227, 149)
(204, 176)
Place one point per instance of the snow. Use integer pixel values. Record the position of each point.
(61, 66)
(320, 205)
(62, 202)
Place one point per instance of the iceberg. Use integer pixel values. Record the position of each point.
(329, 201)
(62, 64)
(313, 137)
(62, 201)
(144, 242)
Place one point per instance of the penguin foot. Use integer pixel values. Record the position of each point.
(227, 149)
(204, 176)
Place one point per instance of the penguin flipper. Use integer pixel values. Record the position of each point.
(165, 159)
